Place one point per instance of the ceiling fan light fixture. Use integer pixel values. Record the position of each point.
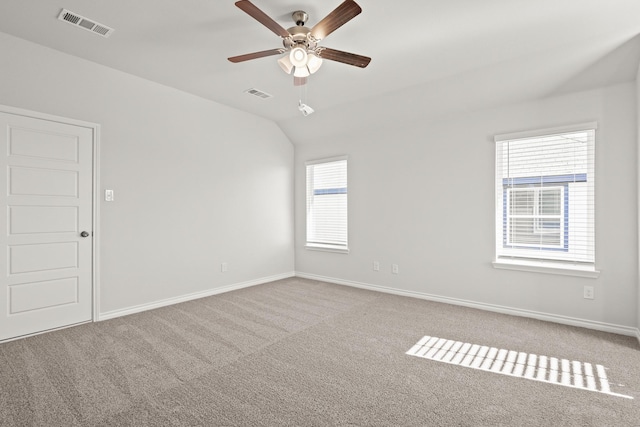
(302, 54)
(285, 64)
(302, 72)
(298, 57)
(314, 63)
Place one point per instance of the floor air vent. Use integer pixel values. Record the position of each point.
(258, 93)
(84, 23)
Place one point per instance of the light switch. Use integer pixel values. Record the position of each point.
(108, 195)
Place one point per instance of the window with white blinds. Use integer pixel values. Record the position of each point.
(545, 196)
(327, 204)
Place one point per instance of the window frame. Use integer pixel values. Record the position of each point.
(530, 260)
(315, 244)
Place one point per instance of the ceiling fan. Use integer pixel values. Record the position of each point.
(304, 55)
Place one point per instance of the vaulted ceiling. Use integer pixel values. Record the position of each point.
(429, 58)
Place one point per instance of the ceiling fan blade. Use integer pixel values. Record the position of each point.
(262, 18)
(348, 10)
(344, 57)
(255, 55)
(299, 81)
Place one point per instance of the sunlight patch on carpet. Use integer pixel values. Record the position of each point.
(568, 373)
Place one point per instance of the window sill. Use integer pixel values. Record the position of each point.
(547, 267)
(327, 248)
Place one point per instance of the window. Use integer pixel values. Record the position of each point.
(545, 198)
(327, 204)
(535, 217)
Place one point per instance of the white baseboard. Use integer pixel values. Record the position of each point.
(638, 334)
(565, 320)
(183, 298)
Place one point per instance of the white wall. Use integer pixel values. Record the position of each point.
(421, 195)
(638, 165)
(196, 183)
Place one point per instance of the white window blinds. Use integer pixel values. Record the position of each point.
(327, 204)
(545, 195)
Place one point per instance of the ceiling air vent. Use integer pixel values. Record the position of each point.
(87, 24)
(258, 93)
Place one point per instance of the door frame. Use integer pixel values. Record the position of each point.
(95, 246)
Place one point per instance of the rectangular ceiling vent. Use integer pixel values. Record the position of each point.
(258, 93)
(84, 23)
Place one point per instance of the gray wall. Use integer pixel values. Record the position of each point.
(421, 195)
(196, 183)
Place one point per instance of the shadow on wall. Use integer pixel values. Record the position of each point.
(618, 66)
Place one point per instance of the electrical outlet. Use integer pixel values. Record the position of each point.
(394, 268)
(589, 292)
(224, 267)
(108, 195)
(376, 266)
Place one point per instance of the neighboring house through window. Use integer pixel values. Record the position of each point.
(545, 198)
(327, 205)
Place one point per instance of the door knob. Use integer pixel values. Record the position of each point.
(85, 234)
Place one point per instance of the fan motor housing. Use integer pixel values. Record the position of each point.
(299, 36)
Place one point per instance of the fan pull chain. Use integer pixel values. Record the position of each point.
(302, 106)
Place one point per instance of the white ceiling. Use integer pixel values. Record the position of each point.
(429, 58)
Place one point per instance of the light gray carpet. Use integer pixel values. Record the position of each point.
(303, 353)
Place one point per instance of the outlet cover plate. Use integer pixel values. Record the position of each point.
(589, 292)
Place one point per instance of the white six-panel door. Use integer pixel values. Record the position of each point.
(46, 190)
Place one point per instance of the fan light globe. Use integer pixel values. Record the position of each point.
(285, 64)
(302, 72)
(298, 57)
(314, 63)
